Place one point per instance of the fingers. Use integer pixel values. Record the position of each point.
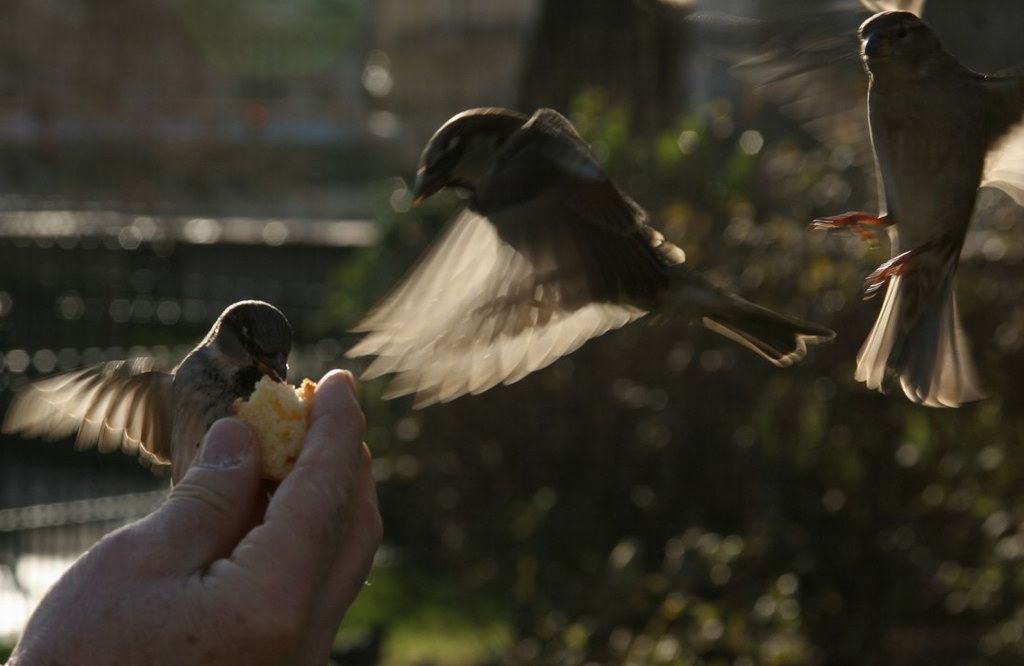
(295, 547)
(362, 539)
(350, 568)
(213, 506)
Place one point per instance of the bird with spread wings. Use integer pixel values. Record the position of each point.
(548, 254)
(933, 131)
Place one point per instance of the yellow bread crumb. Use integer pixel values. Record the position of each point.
(278, 414)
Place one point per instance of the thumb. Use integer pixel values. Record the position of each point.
(214, 506)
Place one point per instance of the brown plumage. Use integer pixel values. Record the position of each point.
(137, 408)
(934, 133)
(939, 131)
(548, 254)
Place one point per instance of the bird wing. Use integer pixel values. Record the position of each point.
(549, 254)
(474, 313)
(807, 63)
(546, 168)
(121, 405)
(809, 66)
(1004, 166)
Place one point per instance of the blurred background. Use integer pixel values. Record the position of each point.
(660, 496)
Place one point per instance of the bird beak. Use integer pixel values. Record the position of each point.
(874, 46)
(426, 185)
(275, 367)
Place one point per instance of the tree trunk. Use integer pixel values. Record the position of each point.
(633, 49)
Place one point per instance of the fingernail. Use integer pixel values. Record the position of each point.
(333, 392)
(226, 445)
(337, 375)
(351, 379)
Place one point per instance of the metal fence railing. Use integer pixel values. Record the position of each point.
(39, 542)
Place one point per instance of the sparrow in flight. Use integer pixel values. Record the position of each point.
(548, 253)
(939, 131)
(934, 132)
(160, 416)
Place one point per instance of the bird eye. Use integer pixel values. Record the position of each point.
(901, 32)
(453, 143)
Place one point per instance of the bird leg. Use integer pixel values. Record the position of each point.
(859, 223)
(522, 301)
(901, 264)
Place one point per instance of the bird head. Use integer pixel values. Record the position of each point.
(253, 335)
(460, 153)
(900, 43)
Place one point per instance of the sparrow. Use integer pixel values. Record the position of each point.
(939, 131)
(808, 61)
(547, 254)
(160, 416)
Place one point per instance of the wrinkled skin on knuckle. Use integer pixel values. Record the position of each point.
(192, 497)
(132, 539)
(119, 541)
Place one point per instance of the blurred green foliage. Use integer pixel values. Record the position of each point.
(423, 618)
(662, 497)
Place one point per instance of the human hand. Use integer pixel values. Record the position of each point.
(203, 580)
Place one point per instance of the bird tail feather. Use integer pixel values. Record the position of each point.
(779, 338)
(927, 351)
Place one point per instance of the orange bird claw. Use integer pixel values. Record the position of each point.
(859, 223)
(901, 264)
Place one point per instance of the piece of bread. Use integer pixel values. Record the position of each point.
(278, 414)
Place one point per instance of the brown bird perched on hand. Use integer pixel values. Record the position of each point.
(939, 131)
(158, 415)
(548, 254)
